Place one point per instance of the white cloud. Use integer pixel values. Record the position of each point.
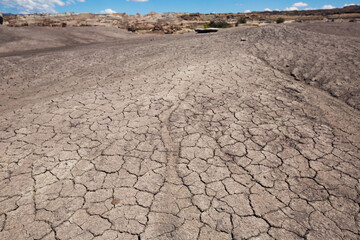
(350, 4)
(35, 6)
(137, 0)
(300, 4)
(296, 6)
(247, 11)
(328, 7)
(108, 11)
(291, 9)
(267, 10)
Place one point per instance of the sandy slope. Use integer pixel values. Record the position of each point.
(30, 38)
(179, 137)
(324, 55)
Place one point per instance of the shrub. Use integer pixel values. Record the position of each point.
(280, 20)
(219, 24)
(242, 21)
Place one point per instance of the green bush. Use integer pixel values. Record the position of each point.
(218, 24)
(280, 20)
(242, 21)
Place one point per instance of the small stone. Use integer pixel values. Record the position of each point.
(115, 201)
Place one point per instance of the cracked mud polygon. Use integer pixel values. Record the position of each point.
(111, 135)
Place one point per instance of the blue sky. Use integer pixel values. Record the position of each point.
(146, 6)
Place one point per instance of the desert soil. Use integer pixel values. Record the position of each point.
(110, 135)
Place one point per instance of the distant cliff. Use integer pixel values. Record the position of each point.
(176, 22)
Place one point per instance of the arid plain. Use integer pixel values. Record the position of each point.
(105, 134)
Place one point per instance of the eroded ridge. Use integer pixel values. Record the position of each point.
(214, 145)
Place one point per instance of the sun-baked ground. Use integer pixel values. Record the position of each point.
(111, 135)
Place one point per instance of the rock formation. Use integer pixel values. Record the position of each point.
(175, 22)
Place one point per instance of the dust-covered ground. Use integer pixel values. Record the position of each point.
(324, 55)
(110, 135)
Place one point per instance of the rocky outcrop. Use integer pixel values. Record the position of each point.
(175, 22)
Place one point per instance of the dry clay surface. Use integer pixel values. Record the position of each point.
(324, 55)
(175, 137)
(17, 41)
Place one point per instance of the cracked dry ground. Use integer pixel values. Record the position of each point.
(172, 137)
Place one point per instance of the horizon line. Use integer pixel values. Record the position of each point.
(211, 13)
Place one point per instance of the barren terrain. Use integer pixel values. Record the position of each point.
(106, 134)
(176, 22)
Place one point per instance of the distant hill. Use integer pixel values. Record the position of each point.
(177, 22)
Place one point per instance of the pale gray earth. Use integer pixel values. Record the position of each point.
(124, 136)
